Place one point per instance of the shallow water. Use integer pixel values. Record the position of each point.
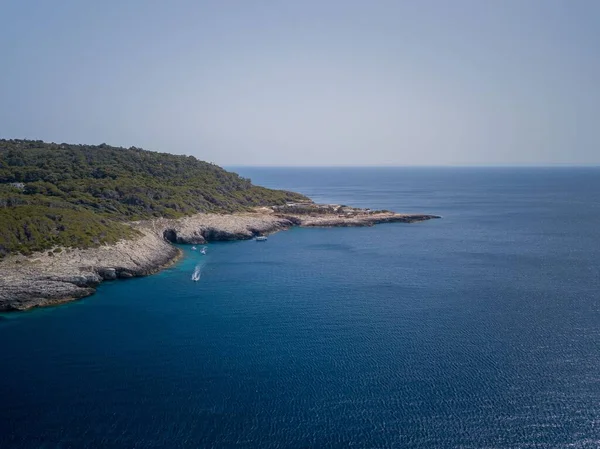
(478, 330)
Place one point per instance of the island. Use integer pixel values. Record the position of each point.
(72, 216)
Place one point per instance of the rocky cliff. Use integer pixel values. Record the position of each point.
(49, 278)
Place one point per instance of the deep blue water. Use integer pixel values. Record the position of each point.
(480, 330)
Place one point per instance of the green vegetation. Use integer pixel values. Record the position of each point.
(82, 195)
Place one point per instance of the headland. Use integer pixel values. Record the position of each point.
(47, 278)
(73, 216)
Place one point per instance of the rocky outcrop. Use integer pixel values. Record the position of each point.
(202, 228)
(54, 277)
(51, 278)
(354, 221)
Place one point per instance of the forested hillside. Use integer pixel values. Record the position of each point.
(80, 195)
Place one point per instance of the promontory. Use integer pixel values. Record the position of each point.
(72, 216)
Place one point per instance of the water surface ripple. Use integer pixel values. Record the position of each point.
(480, 330)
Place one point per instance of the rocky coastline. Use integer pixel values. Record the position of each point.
(50, 278)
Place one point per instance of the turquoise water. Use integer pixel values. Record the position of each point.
(480, 330)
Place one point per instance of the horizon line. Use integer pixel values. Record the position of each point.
(544, 165)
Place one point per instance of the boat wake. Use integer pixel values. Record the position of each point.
(197, 272)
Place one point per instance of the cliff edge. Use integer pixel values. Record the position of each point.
(48, 278)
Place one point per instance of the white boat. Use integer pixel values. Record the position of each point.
(203, 250)
(261, 238)
(193, 248)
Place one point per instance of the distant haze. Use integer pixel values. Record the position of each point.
(309, 82)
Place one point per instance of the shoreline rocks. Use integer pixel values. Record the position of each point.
(45, 279)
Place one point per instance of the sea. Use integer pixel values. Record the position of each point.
(477, 330)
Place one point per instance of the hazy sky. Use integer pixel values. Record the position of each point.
(336, 82)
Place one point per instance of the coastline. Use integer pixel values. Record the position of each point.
(51, 278)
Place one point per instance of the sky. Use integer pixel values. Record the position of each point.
(329, 82)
